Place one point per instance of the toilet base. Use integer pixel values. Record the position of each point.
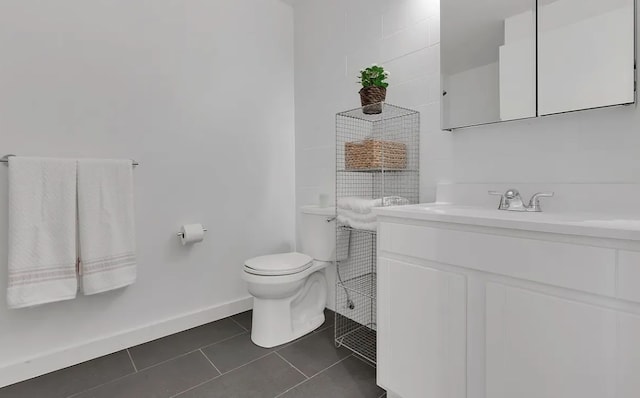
(279, 321)
(269, 337)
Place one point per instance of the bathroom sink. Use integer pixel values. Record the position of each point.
(599, 225)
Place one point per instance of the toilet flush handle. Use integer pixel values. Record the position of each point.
(330, 219)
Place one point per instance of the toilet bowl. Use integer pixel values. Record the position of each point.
(290, 289)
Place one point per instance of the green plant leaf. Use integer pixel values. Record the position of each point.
(374, 75)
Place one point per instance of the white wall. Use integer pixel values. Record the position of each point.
(201, 94)
(334, 38)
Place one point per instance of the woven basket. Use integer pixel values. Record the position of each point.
(375, 155)
(372, 99)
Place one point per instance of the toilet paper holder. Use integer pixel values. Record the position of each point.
(181, 235)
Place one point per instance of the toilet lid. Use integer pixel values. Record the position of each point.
(278, 264)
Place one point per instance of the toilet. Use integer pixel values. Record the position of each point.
(290, 289)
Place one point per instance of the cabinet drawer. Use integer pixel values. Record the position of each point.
(584, 268)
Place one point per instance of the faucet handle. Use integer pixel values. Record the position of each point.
(512, 194)
(534, 203)
(503, 200)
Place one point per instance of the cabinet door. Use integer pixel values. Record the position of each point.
(544, 346)
(421, 333)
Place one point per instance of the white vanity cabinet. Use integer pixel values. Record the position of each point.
(481, 311)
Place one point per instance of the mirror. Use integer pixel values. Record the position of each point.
(586, 54)
(488, 61)
(514, 59)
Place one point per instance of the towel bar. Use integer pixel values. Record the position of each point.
(5, 160)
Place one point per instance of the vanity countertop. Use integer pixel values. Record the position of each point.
(598, 225)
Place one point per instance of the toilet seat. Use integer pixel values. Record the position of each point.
(278, 264)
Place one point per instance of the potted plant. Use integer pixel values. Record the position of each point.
(374, 88)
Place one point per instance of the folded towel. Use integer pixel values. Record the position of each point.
(42, 231)
(106, 225)
(364, 205)
(358, 217)
(358, 204)
(368, 226)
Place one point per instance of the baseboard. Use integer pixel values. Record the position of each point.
(72, 355)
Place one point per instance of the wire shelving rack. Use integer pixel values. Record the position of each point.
(394, 128)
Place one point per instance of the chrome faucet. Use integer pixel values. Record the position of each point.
(512, 201)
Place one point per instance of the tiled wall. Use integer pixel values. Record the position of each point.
(335, 38)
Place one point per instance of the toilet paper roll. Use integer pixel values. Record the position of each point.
(191, 233)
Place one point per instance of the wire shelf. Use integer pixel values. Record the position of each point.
(355, 230)
(382, 143)
(364, 285)
(358, 338)
(376, 171)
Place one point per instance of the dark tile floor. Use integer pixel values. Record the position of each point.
(214, 360)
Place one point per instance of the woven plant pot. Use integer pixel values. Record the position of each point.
(372, 99)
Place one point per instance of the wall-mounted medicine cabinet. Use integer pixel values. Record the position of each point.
(514, 59)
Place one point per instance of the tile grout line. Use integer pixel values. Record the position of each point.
(312, 377)
(75, 394)
(301, 338)
(135, 368)
(223, 340)
(322, 329)
(220, 375)
(290, 364)
(184, 353)
(168, 360)
(130, 374)
(155, 364)
(366, 361)
(208, 345)
(211, 362)
(248, 363)
(239, 324)
(194, 387)
(192, 351)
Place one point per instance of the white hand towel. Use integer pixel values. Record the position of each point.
(364, 205)
(358, 217)
(106, 225)
(367, 226)
(358, 204)
(42, 231)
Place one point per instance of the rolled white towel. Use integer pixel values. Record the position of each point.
(395, 201)
(364, 205)
(358, 217)
(369, 226)
(358, 204)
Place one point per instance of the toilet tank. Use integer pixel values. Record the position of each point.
(317, 235)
